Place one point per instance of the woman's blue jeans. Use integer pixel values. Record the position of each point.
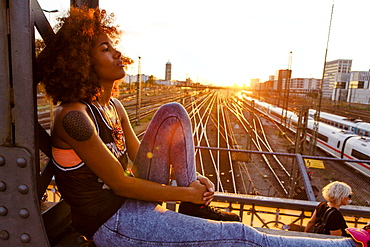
(168, 141)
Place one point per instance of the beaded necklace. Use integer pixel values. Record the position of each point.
(114, 123)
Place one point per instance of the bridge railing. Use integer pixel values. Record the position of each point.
(24, 219)
(279, 213)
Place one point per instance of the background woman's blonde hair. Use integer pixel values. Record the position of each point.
(336, 191)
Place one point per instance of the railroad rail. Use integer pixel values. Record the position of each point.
(26, 220)
(148, 105)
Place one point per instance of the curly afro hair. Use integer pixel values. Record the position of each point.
(65, 67)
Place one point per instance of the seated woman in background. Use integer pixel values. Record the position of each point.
(92, 140)
(337, 194)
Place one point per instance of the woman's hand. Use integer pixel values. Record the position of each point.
(198, 191)
(208, 195)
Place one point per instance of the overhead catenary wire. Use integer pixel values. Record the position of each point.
(313, 138)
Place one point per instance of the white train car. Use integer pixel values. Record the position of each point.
(260, 106)
(358, 148)
(344, 144)
(339, 142)
(356, 125)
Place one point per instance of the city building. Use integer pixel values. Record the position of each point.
(358, 87)
(281, 79)
(304, 84)
(254, 84)
(336, 77)
(131, 80)
(168, 71)
(268, 85)
(165, 82)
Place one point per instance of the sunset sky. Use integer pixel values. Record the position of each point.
(230, 42)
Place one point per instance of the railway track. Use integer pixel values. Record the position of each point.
(214, 120)
(224, 121)
(148, 105)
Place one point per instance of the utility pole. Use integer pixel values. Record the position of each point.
(313, 137)
(300, 139)
(138, 93)
(286, 91)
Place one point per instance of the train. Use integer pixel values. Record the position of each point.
(339, 142)
(356, 125)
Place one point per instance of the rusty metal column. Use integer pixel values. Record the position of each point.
(21, 222)
(5, 87)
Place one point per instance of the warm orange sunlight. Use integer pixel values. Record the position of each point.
(229, 43)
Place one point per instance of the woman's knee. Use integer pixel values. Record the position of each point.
(171, 113)
(173, 108)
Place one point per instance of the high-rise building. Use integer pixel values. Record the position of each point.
(359, 87)
(336, 76)
(254, 84)
(168, 71)
(281, 79)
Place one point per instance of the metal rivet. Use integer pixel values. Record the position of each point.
(23, 189)
(4, 235)
(25, 238)
(2, 160)
(24, 213)
(2, 186)
(3, 211)
(21, 162)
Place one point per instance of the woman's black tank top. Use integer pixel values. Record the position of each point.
(92, 202)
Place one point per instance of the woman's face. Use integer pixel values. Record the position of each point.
(107, 60)
(347, 200)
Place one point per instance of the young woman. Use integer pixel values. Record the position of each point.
(92, 138)
(337, 194)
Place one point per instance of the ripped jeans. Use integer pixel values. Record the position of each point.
(168, 140)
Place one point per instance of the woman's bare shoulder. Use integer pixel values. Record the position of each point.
(120, 108)
(69, 118)
(117, 103)
(71, 106)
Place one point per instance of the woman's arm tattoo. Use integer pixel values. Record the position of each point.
(77, 126)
